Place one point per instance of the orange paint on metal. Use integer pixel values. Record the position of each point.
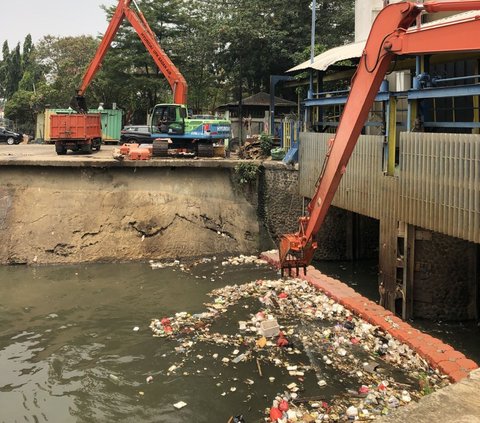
(390, 36)
(75, 127)
(140, 154)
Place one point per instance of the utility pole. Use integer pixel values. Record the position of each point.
(312, 57)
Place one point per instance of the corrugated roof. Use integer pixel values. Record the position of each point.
(354, 50)
(328, 58)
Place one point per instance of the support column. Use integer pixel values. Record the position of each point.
(476, 102)
(392, 135)
(406, 266)
(387, 262)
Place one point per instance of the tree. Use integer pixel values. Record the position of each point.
(63, 61)
(12, 69)
(224, 48)
(33, 72)
(4, 69)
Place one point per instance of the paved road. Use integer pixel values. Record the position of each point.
(45, 155)
(47, 152)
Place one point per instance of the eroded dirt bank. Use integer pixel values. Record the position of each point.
(75, 214)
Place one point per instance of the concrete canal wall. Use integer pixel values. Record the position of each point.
(55, 214)
(82, 209)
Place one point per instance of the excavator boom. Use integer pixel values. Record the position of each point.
(137, 20)
(390, 36)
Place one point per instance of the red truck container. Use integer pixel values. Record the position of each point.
(76, 132)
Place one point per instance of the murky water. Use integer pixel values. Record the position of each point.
(68, 352)
(362, 276)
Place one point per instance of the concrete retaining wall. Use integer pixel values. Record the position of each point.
(440, 260)
(280, 206)
(80, 214)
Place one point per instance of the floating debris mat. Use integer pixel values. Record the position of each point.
(303, 356)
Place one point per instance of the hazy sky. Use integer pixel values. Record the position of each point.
(55, 17)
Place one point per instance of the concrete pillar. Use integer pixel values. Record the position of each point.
(387, 263)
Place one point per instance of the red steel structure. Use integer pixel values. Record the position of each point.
(137, 20)
(390, 36)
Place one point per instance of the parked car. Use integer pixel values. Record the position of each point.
(135, 134)
(10, 137)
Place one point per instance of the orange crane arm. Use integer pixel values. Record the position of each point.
(137, 20)
(388, 37)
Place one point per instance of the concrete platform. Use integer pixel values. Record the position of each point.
(45, 155)
(459, 403)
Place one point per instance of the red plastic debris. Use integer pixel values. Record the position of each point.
(275, 414)
(283, 295)
(363, 389)
(260, 315)
(283, 406)
(382, 386)
(282, 341)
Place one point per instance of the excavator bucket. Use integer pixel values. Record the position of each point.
(79, 104)
(294, 254)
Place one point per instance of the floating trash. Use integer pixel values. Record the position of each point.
(288, 318)
(179, 405)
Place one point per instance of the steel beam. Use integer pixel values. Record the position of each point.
(441, 92)
(333, 101)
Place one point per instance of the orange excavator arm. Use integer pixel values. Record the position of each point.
(390, 36)
(137, 20)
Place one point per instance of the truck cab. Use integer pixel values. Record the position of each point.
(169, 119)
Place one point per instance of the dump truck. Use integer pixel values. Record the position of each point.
(170, 120)
(78, 132)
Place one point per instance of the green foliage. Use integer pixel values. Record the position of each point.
(424, 384)
(246, 172)
(63, 60)
(11, 70)
(224, 48)
(19, 108)
(335, 22)
(266, 143)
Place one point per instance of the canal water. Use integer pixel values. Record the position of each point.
(68, 351)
